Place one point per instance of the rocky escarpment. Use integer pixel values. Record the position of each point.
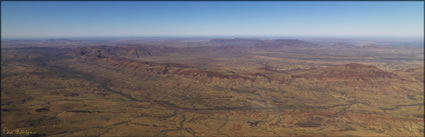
(123, 58)
(108, 51)
(170, 69)
(353, 71)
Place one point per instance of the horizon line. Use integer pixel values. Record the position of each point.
(211, 36)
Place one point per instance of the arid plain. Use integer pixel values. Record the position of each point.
(218, 87)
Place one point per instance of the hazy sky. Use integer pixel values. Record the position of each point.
(100, 19)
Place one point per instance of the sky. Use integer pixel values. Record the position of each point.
(211, 18)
